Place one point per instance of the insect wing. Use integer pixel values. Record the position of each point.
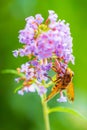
(70, 91)
(54, 91)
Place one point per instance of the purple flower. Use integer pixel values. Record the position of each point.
(29, 73)
(20, 92)
(39, 19)
(34, 63)
(62, 98)
(15, 53)
(26, 35)
(21, 52)
(42, 90)
(40, 72)
(17, 80)
(44, 54)
(29, 19)
(27, 89)
(41, 75)
(31, 23)
(46, 44)
(46, 67)
(24, 67)
(30, 88)
(52, 16)
(43, 40)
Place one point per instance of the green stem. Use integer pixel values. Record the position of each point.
(45, 114)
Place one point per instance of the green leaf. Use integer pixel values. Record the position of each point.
(67, 110)
(10, 71)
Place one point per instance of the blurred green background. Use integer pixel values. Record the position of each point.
(25, 112)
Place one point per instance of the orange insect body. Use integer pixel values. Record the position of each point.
(63, 83)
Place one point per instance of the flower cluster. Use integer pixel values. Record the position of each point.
(43, 42)
(34, 74)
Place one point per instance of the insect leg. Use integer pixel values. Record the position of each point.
(54, 68)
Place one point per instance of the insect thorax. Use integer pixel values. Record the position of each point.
(66, 79)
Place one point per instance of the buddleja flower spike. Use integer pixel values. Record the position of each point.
(43, 41)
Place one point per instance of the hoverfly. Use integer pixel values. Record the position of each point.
(62, 82)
